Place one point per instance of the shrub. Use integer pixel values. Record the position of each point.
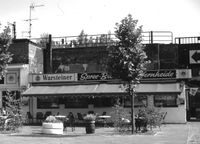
(89, 117)
(52, 119)
(152, 116)
(15, 118)
(119, 117)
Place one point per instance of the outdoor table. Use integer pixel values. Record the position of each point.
(61, 117)
(104, 118)
(126, 120)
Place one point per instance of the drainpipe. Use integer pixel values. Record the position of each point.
(50, 55)
(151, 37)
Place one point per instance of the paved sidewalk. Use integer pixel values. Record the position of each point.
(169, 134)
(193, 133)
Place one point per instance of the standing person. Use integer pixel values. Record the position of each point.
(71, 121)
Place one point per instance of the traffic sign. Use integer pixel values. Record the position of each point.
(194, 56)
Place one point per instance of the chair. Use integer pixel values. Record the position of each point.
(163, 117)
(90, 112)
(29, 118)
(104, 113)
(101, 120)
(48, 113)
(39, 117)
(80, 116)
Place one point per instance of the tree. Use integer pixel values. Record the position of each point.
(44, 39)
(12, 104)
(5, 55)
(127, 59)
(82, 38)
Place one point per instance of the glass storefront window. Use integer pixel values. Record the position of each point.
(76, 102)
(69, 102)
(103, 102)
(47, 102)
(165, 100)
(139, 101)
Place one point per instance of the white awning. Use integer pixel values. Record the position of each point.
(158, 88)
(100, 89)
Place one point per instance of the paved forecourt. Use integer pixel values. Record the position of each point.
(169, 134)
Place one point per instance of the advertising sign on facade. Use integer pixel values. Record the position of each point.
(168, 74)
(54, 78)
(162, 74)
(70, 77)
(35, 59)
(93, 76)
(194, 56)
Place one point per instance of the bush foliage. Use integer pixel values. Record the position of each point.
(52, 119)
(121, 117)
(152, 116)
(14, 117)
(90, 117)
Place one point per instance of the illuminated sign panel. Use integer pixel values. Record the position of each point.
(54, 78)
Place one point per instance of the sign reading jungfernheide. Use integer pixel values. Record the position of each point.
(163, 74)
(54, 77)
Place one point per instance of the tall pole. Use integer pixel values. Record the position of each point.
(158, 57)
(131, 94)
(32, 6)
(30, 24)
(50, 54)
(14, 30)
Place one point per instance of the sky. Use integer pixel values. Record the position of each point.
(70, 17)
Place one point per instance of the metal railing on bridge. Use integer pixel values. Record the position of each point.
(187, 40)
(149, 37)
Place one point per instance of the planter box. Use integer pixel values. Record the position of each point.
(90, 127)
(52, 128)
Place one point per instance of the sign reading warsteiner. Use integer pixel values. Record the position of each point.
(93, 76)
(165, 74)
(54, 77)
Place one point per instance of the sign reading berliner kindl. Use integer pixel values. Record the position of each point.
(54, 77)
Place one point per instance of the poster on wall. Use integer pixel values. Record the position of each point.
(35, 59)
(11, 78)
